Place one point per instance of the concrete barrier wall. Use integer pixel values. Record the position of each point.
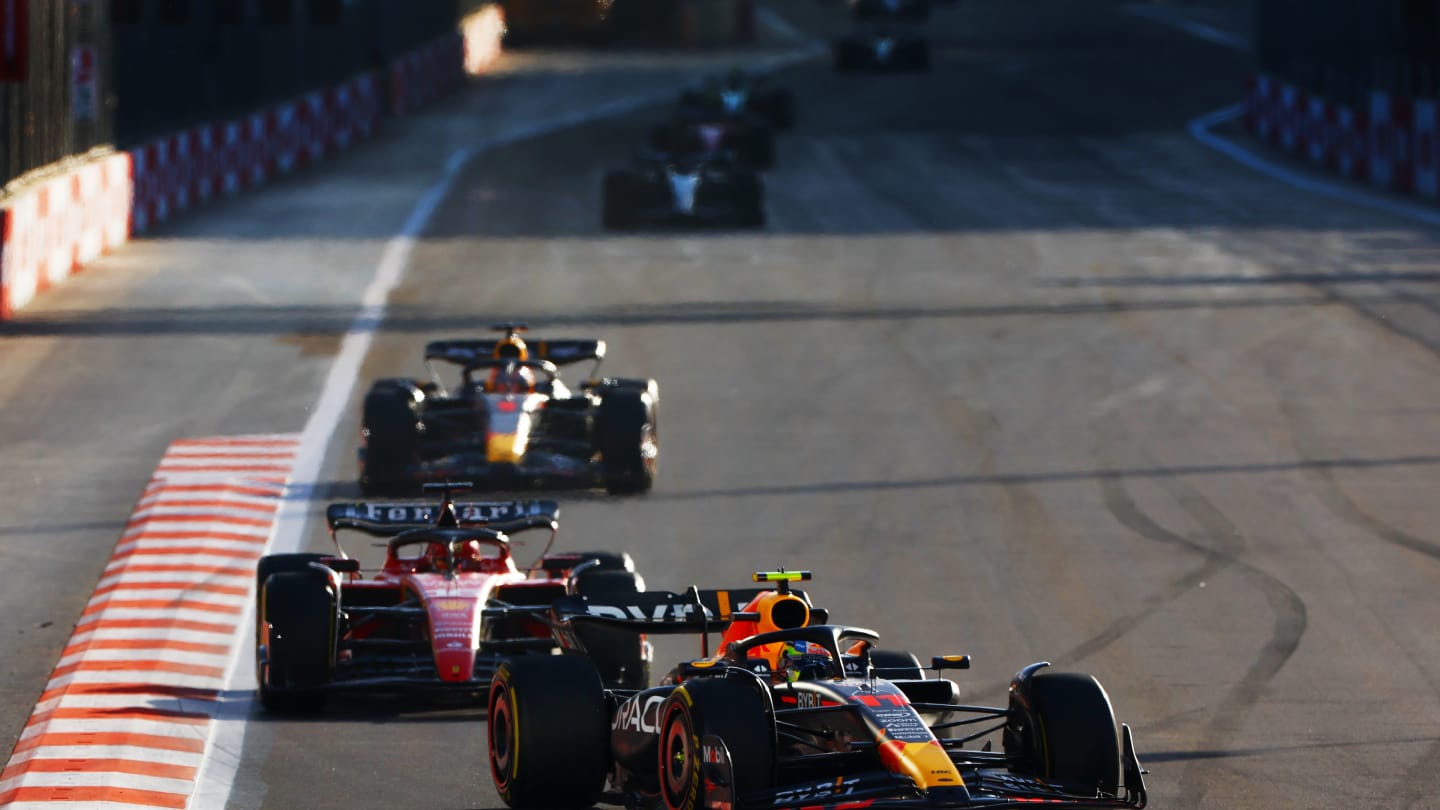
(55, 228)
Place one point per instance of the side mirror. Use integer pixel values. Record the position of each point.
(942, 662)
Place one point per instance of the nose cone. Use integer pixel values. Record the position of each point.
(455, 666)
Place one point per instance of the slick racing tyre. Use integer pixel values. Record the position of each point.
(735, 709)
(277, 564)
(627, 440)
(549, 733)
(778, 107)
(392, 437)
(918, 57)
(849, 55)
(299, 610)
(1073, 737)
(620, 655)
(617, 204)
(749, 200)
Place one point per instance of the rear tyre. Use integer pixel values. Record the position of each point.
(392, 438)
(735, 709)
(627, 440)
(1074, 738)
(299, 610)
(749, 201)
(920, 56)
(547, 718)
(617, 203)
(779, 107)
(619, 655)
(847, 56)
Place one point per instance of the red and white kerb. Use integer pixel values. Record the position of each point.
(126, 716)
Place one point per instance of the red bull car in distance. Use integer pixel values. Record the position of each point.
(419, 622)
(792, 713)
(511, 422)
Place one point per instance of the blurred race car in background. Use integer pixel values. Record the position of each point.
(890, 10)
(707, 134)
(673, 189)
(883, 49)
(737, 93)
(510, 422)
(791, 713)
(418, 624)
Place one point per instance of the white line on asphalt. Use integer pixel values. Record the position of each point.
(1195, 29)
(1200, 130)
(216, 779)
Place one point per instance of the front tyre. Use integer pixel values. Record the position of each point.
(298, 611)
(737, 710)
(549, 733)
(1074, 737)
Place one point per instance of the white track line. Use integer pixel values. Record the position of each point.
(1199, 30)
(216, 779)
(1200, 130)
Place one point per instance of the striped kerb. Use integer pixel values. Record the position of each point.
(126, 715)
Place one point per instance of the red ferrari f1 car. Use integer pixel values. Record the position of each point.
(791, 713)
(420, 622)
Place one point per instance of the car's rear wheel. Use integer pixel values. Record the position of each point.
(298, 611)
(617, 206)
(734, 709)
(749, 201)
(549, 733)
(392, 438)
(619, 655)
(628, 441)
(1075, 737)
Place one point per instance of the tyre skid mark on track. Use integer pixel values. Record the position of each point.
(1414, 788)
(1289, 609)
(125, 717)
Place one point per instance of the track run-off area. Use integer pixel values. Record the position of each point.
(1019, 369)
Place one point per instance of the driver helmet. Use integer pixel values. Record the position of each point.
(469, 556)
(511, 347)
(805, 661)
(511, 379)
(437, 558)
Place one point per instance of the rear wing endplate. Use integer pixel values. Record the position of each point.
(660, 612)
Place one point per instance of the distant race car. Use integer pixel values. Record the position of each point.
(738, 94)
(683, 190)
(890, 10)
(420, 623)
(792, 713)
(882, 51)
(707, 134)
(510, 422)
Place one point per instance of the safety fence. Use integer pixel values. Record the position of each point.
(52, 230)
(1391, 141)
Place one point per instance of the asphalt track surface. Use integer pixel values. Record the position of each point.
(1018, 370)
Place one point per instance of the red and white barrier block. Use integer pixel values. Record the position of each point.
(1391, 141)
(53, 229)
(126, 716)
(175, 173)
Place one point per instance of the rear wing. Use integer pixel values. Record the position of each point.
(559, 352)
(387, 519)
(661, 612)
